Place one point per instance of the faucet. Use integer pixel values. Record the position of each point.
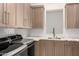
(53, 32)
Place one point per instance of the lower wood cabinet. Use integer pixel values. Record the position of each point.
(44, 48)
(68, 48)
(56, 48)
(75, 49)
(68, 51)
(59, 48)
(36, 48)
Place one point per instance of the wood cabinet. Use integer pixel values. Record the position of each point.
(23, 14)
(11, 14)
(42, 48)
(7, 13)
(68, 48)
(36, 48)
(46, 48)
(56, 48)
(27, 15)
(37, 16)
(19, 15)
(72, 15)
(59, 48)
(75, 48)
(2, 24)
(50, 48)
(71, 48)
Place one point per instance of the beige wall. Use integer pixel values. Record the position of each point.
(54, 6)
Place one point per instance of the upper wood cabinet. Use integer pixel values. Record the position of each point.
(2, 15)
(27, 15)
(37, 16)
(72, 15)
(19, 15)
(7, 14)
(23, 15)
(11, 14)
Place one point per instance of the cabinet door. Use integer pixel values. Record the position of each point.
(72, 48)
(70, 15)
(11, 14)
(46, 48)
(23, 52)
(68, 51)
(77, 15)
(68, 48)
(27, 15)
(75, 49)
(59, 48)
(2, 14)
(19, 15)
(36, 48)
(42, 48)
(38, 17)
(51, 48)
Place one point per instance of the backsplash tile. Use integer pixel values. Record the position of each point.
(11, 31)
(23, 32)
(36, 32)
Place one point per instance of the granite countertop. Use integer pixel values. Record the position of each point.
(50, 38)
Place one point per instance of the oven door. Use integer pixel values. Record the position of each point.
(30, 50)
(23, 52)
(27, 51)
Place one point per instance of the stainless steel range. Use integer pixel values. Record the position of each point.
(16, 46)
